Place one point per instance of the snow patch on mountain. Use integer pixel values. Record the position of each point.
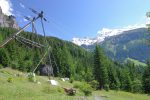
(104, 33)
(86, 41)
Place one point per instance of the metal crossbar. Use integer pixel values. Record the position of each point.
(18, 32)
(29, 41)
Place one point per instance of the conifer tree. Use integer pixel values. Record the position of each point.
(4, 59)
(146, 78)
(100, 68)
(114, 82)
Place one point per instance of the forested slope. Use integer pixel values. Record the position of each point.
(68, 59)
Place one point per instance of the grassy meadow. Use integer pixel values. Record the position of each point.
(14, 85)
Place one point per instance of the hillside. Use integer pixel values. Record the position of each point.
(21, 88)
(71, 61)
(129, 44)
(67, 59)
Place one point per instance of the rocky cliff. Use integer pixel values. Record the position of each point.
(8, 21)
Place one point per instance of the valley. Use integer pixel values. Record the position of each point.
(43, 55)
(128, 44)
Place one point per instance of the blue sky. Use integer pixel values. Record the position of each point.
(83, 18)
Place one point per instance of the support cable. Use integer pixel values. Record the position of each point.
(41, 59)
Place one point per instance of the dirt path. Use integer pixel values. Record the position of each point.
(98, 98)
(81, 98)
(95, 98)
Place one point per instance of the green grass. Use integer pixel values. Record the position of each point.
(21, 89)
(136, 62)
(120, 95)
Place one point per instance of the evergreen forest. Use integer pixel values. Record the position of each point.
(74, 62)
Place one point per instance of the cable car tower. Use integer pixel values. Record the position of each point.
(23, 40)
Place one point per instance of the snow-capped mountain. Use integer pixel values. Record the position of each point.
(103, 34)
(121, 44)
(86, 41)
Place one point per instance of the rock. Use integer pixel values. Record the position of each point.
(53, 82)
(65, 79)
(46, 70)
(70, 91)
(8, 21)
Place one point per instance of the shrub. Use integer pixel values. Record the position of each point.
(94, 84)
(114, 86)
(31, 77)
(87, 89)
(106, 87)
(14, 65)
(77, 85)
(71, 80)
(60, 90)
(88, 77)
(84, 87)
(1, 66)
(10, 80)
(137, 86)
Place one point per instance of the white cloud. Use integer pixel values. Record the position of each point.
(21, 5)
(6, 6)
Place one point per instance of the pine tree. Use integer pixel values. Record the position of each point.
(4, 58)
(68, 60)
(125, 80)
(100, 68)
(114, 82)
(146, 78)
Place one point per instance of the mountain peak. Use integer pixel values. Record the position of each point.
(86, 41)
(104, 33)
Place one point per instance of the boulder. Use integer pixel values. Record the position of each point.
(46, 70)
